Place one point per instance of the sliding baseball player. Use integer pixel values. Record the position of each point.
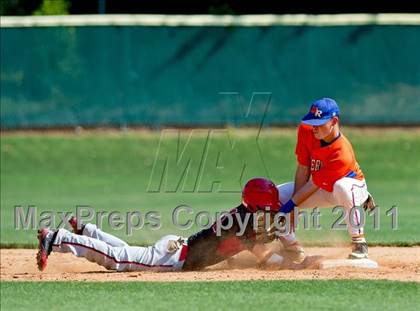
(173, 252)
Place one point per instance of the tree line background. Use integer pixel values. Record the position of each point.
(64, 7)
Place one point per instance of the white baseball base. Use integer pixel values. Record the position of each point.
(352, 263)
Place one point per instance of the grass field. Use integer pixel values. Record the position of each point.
(254, 295)
(122, 171)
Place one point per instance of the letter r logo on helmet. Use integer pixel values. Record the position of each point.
(260, 193)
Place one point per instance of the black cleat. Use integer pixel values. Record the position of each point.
(45, 238)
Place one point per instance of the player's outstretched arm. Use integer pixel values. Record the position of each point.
(301, 176)
(300, 196)
(305, 192)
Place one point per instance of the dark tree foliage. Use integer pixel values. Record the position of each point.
(18, 7)
(244, 6)
(27, 7)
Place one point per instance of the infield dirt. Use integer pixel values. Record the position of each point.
(395, 263)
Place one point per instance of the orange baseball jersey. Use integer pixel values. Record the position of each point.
(328, 163)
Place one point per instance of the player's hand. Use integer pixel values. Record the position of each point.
(265, 231)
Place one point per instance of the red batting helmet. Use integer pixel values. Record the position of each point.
(260, 193)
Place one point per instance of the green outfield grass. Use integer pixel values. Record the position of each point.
(251, 295)
(112, 171)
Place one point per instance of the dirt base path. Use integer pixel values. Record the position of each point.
(395, 263)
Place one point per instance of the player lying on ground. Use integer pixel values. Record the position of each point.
(173, 252)
(327, 173)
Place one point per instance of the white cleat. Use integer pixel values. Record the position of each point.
(360, 251)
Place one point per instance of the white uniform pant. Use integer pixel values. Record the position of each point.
(114, 254)
(347, 193)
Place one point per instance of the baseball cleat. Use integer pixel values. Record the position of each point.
(360, 251)
(295, 252)
(45, 238)
(76, 229)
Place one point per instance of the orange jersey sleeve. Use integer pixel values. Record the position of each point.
(328, 163)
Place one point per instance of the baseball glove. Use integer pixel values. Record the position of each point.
(369, 204)
(266, 226)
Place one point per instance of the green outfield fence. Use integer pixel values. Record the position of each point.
(137, 70)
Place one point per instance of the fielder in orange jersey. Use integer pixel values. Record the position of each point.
(327, 173)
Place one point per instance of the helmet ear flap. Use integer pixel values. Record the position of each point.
(249, 207)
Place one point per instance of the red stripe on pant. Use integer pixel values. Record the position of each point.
(112, 258)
